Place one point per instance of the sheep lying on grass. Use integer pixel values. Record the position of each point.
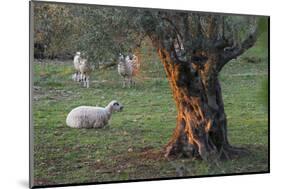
(85, 71)
(76, 62)
(126, 69)
(92, 117)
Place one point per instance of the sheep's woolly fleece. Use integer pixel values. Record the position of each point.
(126, 67)
(92, 117)
(76, 63)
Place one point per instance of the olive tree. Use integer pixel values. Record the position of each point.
(194, 47)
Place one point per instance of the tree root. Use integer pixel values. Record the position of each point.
(230, 152)
(227, 152)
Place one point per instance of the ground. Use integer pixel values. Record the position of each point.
(131, 148)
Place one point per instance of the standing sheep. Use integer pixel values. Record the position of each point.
(76, 62)
(92, 117)
(85, 71)
(126, 69)
(136, 64)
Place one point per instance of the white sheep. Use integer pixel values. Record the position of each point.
(91, 116)
(76, 62)
(126, 68)
(85, 71)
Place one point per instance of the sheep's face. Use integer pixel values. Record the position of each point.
(83, 61)
(116, 106)
(121, 58)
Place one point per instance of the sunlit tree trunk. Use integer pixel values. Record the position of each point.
(193, 50)
(201, 129)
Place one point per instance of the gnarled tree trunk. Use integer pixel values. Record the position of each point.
(201, 129)
(193, 50)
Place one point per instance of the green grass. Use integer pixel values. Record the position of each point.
(64, 155)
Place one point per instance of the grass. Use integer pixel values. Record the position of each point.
(130, 148)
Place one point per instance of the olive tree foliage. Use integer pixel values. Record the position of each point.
(107, 32)
(191, 32)
(100, 33)
(55, 27)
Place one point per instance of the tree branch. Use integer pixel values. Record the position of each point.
(233, 52)
(141, 38)
(223, 43)
(176, 30)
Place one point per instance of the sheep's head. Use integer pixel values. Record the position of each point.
(83, 61)
(78, 53)
(121, 58)
(116, 106)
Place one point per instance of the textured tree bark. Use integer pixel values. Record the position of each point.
(193, 49)
(201, 129)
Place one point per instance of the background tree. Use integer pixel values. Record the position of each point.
(107, 32)
(56, 29)
(101, 33)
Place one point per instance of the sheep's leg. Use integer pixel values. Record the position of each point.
(75, 76)
(106, 124)
(78, 77)
(131, 80)
(128, 82)
(88, 81)
(84, 81)
(124, 82)
(81, 77)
